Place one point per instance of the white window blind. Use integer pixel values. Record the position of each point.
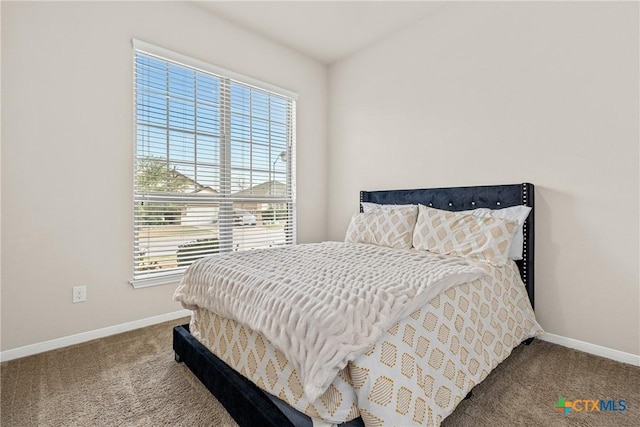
(214, 166)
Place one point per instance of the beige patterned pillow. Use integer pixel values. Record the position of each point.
(383, 227)
(452, 233)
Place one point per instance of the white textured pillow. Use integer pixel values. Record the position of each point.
(518, 214)
(453, 233)
(383, 227)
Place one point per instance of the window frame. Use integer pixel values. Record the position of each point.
(226, 199)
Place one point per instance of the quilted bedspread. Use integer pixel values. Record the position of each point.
(322, 305)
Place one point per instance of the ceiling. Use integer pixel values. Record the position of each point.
(324, 30)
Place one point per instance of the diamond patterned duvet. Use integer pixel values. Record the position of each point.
(419, 370)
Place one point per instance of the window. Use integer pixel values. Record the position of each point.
(214, 164)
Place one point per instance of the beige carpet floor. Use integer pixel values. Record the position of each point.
(131, 379)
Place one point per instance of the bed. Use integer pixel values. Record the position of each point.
(344, 400)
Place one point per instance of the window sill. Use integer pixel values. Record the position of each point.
(169, 279)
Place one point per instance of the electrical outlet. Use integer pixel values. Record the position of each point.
(79, 294)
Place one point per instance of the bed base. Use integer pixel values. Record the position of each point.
(245, 402)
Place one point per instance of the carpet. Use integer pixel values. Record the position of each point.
(131, 379)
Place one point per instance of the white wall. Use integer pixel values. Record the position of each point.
(480, 93)
(507, 92)
(67, 146)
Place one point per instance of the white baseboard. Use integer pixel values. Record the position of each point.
(609, 353)
(29, 350)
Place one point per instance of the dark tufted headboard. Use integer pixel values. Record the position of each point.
(465, 198)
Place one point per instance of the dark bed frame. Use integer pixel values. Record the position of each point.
(246, 403)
